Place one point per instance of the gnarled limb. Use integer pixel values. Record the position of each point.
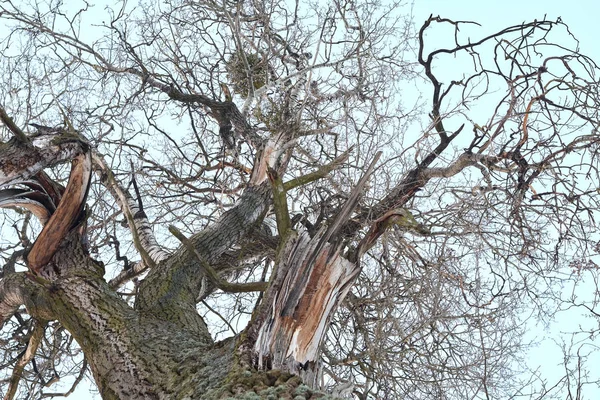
(17, 289)
(21, 160)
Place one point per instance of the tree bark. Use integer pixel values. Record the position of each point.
(161, 348)
(145, 353)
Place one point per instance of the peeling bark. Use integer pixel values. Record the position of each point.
(317, 278)
(68, 211)
(20, 161)
(311, 279)
(161, 348)
(145, 242)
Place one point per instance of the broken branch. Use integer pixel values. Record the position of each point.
(66, 214)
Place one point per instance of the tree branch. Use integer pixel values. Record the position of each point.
(320, 173)
(20, 161)
(17, 289)
(212, 274)
(34, 341)
(10, 124)
(66, 214)
(143, 236)
(280, 206)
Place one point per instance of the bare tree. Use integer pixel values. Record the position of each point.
(270, 200)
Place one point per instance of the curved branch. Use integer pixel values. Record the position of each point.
(28, 200)
(20, 161)
(19, 289)
(126, 275)
(66, 214)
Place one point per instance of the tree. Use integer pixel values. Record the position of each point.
(254, 170)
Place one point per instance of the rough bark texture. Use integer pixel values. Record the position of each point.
(161, 348)
(152, 353)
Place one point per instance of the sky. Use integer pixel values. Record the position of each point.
(581, 16)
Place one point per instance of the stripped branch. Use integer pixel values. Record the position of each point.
(66, 214)
(141, 230)
(126, 275)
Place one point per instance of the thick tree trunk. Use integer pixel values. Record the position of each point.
(314, 280)
(161, 347)
(135, 354)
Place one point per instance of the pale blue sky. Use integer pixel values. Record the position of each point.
(580, 15)
(582, 18)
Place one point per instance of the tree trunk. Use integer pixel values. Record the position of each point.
(315, 278)
(140, 354)
(161, 348)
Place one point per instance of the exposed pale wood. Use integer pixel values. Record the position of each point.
(317, 280)
(36, 208)
(66, 213)
(311, 279)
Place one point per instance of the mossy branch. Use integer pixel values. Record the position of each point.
(212, 274)
(320, 173)
(282, 214)
(10, 124)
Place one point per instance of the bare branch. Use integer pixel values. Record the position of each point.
(32, 346)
